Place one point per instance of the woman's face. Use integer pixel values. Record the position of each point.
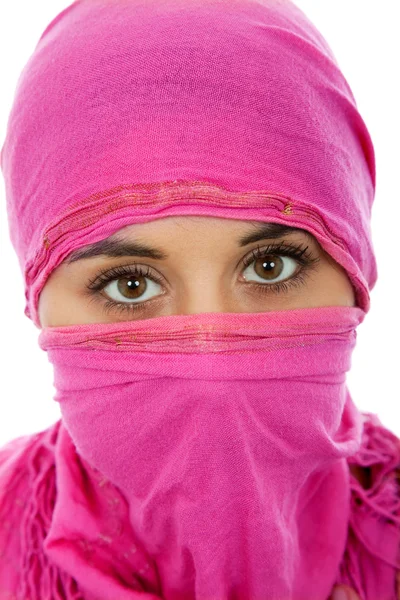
(182, 265)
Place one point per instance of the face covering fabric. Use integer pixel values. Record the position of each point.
(228, 434)
(128, 112)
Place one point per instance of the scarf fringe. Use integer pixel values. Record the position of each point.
(28, 498)
(28, 494)
(372, 556)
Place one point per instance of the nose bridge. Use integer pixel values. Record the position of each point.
(204, 292)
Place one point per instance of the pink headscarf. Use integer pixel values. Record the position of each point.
(129, 111)
(227, 435)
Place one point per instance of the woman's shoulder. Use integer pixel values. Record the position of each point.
(371, 561)
(60, 519)
(24, 457)
(376, 465)
(27, 496)
(13, 451)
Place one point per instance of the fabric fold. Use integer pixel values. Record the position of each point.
(28, 494)
(44, 477)
(372, 555)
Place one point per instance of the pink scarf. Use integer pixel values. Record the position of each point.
(226, 434)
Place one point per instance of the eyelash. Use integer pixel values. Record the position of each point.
(299, 253)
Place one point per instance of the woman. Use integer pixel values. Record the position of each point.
(189, 191)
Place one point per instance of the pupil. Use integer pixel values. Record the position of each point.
(269, 269)
(270, 262)
(133, 282)
(132, 287)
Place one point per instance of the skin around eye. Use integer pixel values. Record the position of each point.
(134, 288)
(203, 268)
(137, 286)
(272, 269)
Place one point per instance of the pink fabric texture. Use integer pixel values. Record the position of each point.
(129, 111)
(42, 476)
(227, 434)
(199, 456)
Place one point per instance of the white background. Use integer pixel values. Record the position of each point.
(364, 37)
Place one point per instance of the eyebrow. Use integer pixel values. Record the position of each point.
(114, 247)
(271, 231)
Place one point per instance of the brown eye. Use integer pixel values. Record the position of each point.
(132, 288)
(271, 268)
